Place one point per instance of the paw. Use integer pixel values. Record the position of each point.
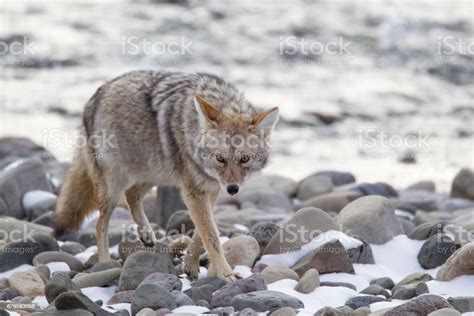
(231, 277)
(148, 238)
(191, 267)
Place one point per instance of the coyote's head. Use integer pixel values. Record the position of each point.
(233, 143)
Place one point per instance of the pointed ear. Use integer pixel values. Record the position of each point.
(206, 111)
(266, 120)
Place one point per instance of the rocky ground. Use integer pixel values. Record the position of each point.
(324, 245)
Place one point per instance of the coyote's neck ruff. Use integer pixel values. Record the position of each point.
(195, 131)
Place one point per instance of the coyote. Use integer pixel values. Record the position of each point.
(165, 128)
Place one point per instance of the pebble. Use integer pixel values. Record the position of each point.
(27, 283)
(263, 233)
(445, 312)
(463, 304)
(362, 254)
(180, 223)
(463, 184)
(77, 300)
(241, 250)
(266, 199)
(262, 301)
(460, 263)
(181, 298)
(372, 218)
(421, 305)
(99, 278)
(333, 201)
(310, 221)
(59, 283)
(168, 281)
(285, 185)
(436, 250)
(314, 185)
(308, 282)
(376, 290)
(363, 301)
(276, 273)
(330, 257)
(72, 247)
(284, 311)
(121, 297)
(224, 296)
(335, 284)
(140, 264)
(57, 256)
(152, 296)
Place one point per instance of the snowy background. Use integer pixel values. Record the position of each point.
(394, 67)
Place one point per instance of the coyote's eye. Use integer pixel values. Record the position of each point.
(220, 158)
(244, 158)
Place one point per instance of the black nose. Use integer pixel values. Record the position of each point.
(232, 189)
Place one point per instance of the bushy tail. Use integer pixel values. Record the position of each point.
(77, 197)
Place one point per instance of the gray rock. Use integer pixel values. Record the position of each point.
(43, 271)
(241, 250)
(445, 312)
(362, 254)
(140, 264)
(121, 297)
(421, 305)
(181, 298)
(17, 230)
(372, 218)
(8, 294)
(40, 208)
(168, 281)
(57, 256)
(463, 184)
(338, 311)
(262, 301)
(59, 283)
(248, 216)
(284, 311)
(72, 247)
(408, 291)
(216, 282)
(378, 188)
(88, 235)
(426, 230)
(71, 312)
(16, 180)
(276, 273)
(285, 185)
(436, 250)
(407, 225)
(223, 297)
(22, 147)
(460, 263)
(152, 296)
(265, 199)
(47, 219)
(248, 312)
(384, 282)
(453, 204)
(330, 257)
(308, 282)
(413, 278)
(314, 185)
(146, 312)
(336, 284)
(263, 233)
(338, 178)
(27, 283)
(99, 278)
(180, 223)
(463, 304)
(105, 265)
(418, 200)
(203, 292)
(362, 301)
(310, 221)
(375, 290)
(422, 186)
(203, 303)
(332, 201)
(23, 252)
(77, 300)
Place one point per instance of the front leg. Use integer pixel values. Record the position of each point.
(198, 203)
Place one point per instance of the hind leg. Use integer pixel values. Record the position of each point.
(135, 196)
(110, 194)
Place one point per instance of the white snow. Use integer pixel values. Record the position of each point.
(32, 198)
(57, 266)
(460, 286)
(290, 258)
(191, 309)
